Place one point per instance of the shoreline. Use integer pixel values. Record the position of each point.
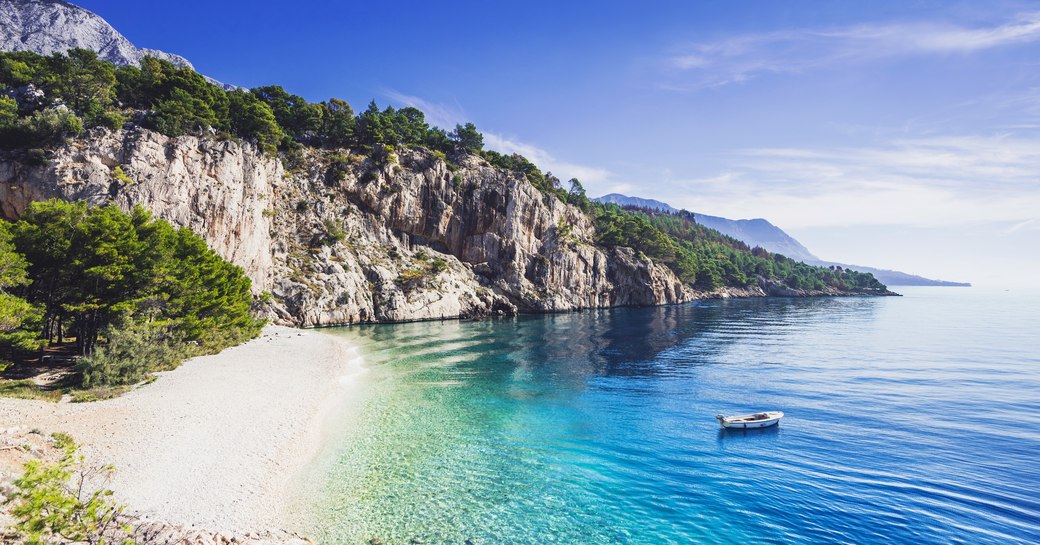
(723, 293)
(222, 441)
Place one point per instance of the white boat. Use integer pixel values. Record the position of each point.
(748, 421)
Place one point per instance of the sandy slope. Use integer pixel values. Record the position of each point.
(219, 442)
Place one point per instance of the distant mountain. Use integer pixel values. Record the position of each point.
(892, 278)
(624, 200)
(756, 232)
(763, 234)
(759, 232)
(52, 26)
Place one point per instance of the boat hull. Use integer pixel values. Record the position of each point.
(749, 425)
(749, 421)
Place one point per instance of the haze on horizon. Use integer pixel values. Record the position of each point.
(902, 135)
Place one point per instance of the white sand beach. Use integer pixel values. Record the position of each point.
(221, 441)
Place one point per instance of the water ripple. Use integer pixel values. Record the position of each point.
(910, 420)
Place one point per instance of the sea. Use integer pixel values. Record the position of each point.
(911, 419)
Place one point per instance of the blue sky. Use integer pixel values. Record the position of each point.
(902, 134)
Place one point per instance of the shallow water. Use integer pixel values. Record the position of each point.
(909, 420)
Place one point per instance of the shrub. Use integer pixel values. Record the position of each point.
(8, 111)
(339, 166)
(66, 501)
(293, 157)
(120, 176)
(564, 229)
(42, 128)
(419, 276)
(383, 154)
(331, 233)
(133, 350)
(98, 116)
(410, 279)
(37, 157)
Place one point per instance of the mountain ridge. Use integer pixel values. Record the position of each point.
(56, 26)
(755, 232)
(760, 232)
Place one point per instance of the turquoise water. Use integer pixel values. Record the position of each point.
(909, 420)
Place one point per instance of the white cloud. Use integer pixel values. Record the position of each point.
(445, 116)
(944, 39)
(924, 182)
(741, 58)
(589, 175)
(1027, 225)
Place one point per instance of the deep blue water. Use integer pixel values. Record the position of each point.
(909, 420)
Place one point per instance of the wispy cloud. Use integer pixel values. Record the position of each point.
(564, 170)
(924, 182)
(742, 58)
(445, 116)
(1027, 225)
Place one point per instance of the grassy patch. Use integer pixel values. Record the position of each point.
(410, 276)
(27, 389)
(100, 393)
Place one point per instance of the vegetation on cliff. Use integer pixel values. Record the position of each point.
(53, 96)
(133, 294)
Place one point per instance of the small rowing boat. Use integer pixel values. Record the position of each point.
(746, 421)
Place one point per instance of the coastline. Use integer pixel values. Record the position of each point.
(219, 443)
(728, 292)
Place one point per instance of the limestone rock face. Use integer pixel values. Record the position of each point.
(346, 238)
(216, 189)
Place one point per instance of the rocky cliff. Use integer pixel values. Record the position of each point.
(346, 238)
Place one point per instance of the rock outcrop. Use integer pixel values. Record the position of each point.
(348, 238)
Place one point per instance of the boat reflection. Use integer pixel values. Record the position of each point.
(734, 434)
